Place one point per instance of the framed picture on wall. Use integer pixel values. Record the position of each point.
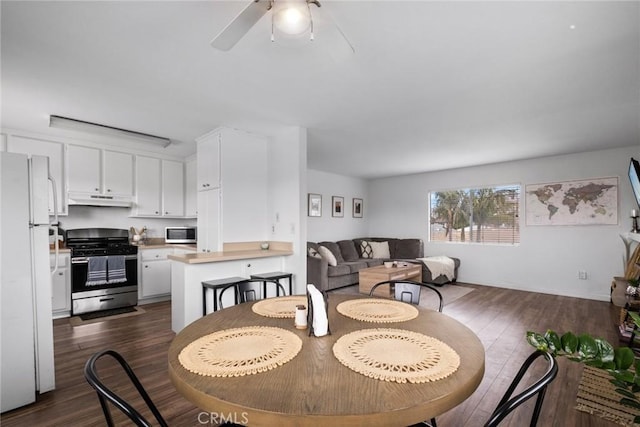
(314, 204)
(338, 206)
(357, 208)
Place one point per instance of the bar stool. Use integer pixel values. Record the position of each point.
(215, 285)
(249, 290)
(276, 276)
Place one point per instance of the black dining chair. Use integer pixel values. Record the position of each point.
(538, 388)
(250, 290)
(106, 395)
(408, 291)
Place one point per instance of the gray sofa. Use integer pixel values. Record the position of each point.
(350, 261)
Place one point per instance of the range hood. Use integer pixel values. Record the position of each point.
(88, 199)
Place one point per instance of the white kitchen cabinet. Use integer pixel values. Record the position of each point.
(148, 186)
(208, 162)
(55, 152)
(95, 171)
(172, 188)
(159, 188)
(83, 169)
(155, 273)
(190, 189)
(118, 173)
(209, 221)
(61, 285)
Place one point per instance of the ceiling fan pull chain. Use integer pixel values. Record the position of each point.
(310, 21)
(272, 36)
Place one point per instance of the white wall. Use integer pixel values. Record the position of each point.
(326, 227)
(548, 257)
(244, 186)
(114, 217)
(287, 159)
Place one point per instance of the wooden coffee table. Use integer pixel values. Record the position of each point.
(372, 275)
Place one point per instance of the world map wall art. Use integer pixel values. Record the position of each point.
(581, 202)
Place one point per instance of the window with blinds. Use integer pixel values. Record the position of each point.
(487, 215)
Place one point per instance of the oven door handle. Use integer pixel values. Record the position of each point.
(85, 260)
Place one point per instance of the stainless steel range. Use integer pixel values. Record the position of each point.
(104, 269)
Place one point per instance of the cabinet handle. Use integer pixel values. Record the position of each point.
(108, 190)
(166, 213)
(60, 273)
(97, 189)
(157, 213)
(146, 266)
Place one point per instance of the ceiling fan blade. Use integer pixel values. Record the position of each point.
(241, 24)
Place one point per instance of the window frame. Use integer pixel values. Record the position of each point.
(515, 228)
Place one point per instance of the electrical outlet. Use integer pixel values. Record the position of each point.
(582, 275)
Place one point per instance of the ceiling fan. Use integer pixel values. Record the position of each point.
(290, 17)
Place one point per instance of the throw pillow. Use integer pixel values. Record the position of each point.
(326, 254)
(365, 249)
(380, 250)
(312, 252)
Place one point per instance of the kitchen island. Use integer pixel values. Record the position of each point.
(188, 271)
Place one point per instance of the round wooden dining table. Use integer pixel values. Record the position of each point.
(315, 388)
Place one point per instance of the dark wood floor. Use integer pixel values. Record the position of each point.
(500, 317)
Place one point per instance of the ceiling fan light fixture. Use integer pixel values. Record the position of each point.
(292, 19)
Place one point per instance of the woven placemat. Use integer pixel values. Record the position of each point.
(598, 396)
(281, 307)
(377, 310)
(240, 351)
(396, 355)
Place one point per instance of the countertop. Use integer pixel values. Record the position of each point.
(237, 250)
(205, 257)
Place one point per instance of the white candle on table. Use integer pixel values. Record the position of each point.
(633, 213)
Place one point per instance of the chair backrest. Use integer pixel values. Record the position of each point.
(106, 395)
(409, 291)
(538, 388)
(250, 290)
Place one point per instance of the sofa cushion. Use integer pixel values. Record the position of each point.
(380, 249)
(348, 250)
(408, 249)
(366, 250)
(356, 266)
(374, 262)
(328, 255)
(338, 270)
(335, 250)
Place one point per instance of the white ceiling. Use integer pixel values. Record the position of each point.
(432, 85)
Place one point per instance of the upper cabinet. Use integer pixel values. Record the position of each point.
(172, 188)
(55, 152)
(190, 189)
(159, 187)
(209, 162)
(148, 183)
(118, 173)
(92, 171)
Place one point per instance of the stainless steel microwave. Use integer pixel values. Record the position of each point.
(180, 235)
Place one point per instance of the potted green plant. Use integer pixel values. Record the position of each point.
(632, 288)
(619, 362)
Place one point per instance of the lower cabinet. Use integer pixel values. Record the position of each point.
(154, 281)
(155, 273)
(61, 286)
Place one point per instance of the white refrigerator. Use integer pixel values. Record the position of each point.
(26, 355)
